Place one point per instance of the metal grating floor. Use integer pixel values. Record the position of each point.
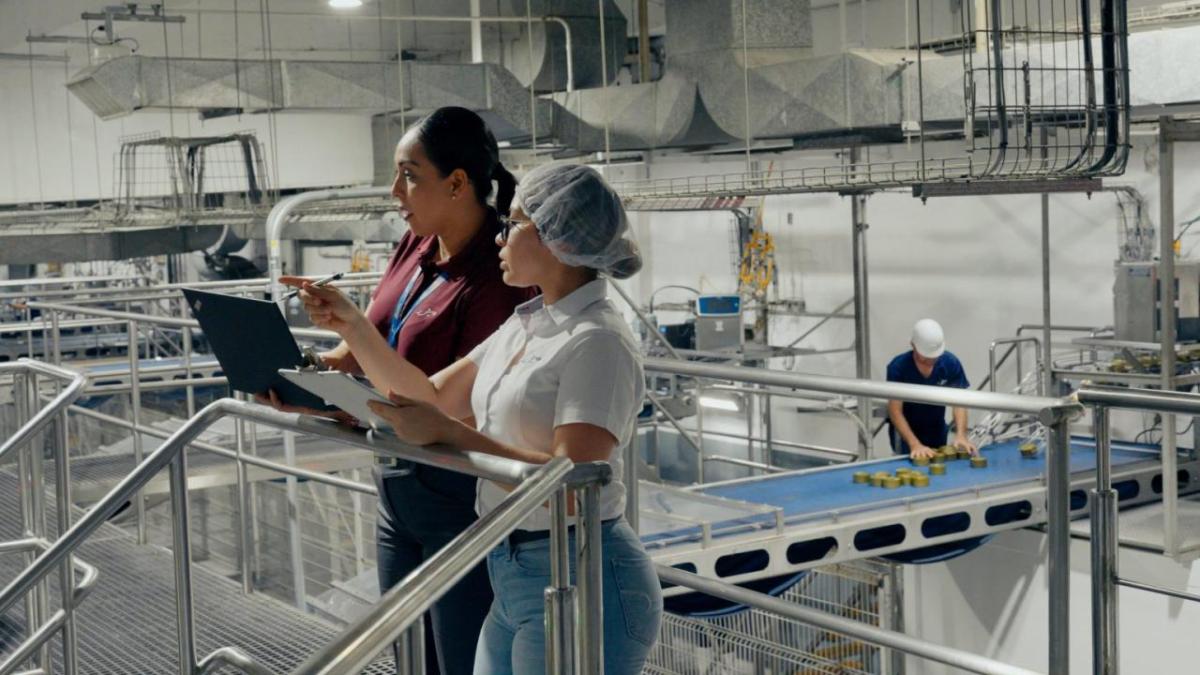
(127, 624)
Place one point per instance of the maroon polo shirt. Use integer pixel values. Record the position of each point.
(467, 307)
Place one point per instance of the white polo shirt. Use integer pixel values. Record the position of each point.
(571, 362)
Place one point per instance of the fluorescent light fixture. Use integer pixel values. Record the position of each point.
(345, 4)
(720, 403)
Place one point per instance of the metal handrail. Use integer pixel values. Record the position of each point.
(172, 453)
(33, 509)
(231, 656)
(132, 293)
(82, 588)
(1054, 414)
(406, 602)
(76, 381)
(1105, 577)
(1047, 409)
(157, 320)
(277, 220)
(1014, 344)
(956, 658)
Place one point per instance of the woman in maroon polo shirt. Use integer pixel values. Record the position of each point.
(442, 295)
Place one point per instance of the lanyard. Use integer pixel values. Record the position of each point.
(399, 316)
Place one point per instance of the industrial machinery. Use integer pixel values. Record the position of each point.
(1136, 305)
(719, 322)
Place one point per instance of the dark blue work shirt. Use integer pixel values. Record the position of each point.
(928, 422)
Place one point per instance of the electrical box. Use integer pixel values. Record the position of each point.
(1136, 310)
(718, 322)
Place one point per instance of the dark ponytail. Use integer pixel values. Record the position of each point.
(506, 188)
(457, 138)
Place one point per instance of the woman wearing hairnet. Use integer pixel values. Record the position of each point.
(562, 377)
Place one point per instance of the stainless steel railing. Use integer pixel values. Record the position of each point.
(1054, 414)
(41, 624)
(957, 658)
(397, 611)
(1103, 509)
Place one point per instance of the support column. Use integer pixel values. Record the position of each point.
(1168, 317)
(862, 306)
(1058, 529)
(1104, 553)
(1047, 369)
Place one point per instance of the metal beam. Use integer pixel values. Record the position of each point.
(1006, 187)
(17, 56)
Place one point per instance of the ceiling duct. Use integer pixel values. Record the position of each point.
(700, 100)
(549, 43)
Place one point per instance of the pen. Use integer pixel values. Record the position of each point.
(319, 282)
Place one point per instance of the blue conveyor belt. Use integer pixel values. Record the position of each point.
(817, 493)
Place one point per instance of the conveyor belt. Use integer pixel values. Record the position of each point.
(766, 527)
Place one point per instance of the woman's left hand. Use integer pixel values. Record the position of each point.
(414, 422)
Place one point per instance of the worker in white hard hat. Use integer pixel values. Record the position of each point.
(918, 428)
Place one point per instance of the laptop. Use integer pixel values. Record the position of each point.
(252, 342)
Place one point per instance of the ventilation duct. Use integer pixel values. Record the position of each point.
(701, 99)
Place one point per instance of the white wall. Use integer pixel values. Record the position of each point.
(36, 159)
(972, 263)
(994, 602)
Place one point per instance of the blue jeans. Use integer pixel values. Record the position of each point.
(513, 641)
(419, 513)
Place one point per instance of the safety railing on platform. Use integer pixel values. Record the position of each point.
(1104, 540)
(957, 658)
(161, 301)
(400, 609)
(1054, 414)
(31, 419)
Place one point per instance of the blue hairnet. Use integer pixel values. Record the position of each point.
(580, 218)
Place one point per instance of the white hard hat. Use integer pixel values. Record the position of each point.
(928, 338)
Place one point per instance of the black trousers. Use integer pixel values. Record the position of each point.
(420, 510)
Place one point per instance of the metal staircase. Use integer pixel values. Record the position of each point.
(127, 624)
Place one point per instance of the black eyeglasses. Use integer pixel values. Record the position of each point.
(507, 225)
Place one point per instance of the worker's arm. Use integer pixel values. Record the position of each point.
(340, 358)
(329, 308)
(960, 431)
(916, 449)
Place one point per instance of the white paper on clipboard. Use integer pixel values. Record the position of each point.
(342, 390)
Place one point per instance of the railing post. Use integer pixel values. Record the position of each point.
(410, 649)
(55, 336)
(187, 370)
(1058, 528)
(183, 563)
(700, 476)
(245, 544)
(589, 572)
(1104, 553)
(63, 505)
(632, 452)
(135, 403)
(29, 331)
(35, 450)
(560, 595)
(23, 412)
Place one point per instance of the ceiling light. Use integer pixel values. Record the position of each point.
(345, 4)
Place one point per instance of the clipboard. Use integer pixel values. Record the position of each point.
(343, 391)
(251, 341)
